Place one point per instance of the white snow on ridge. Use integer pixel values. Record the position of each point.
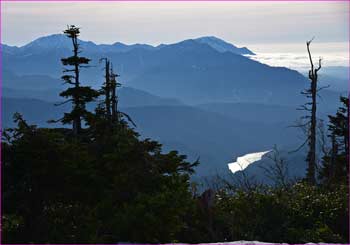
(245, 160)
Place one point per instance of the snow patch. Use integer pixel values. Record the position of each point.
(244, 161)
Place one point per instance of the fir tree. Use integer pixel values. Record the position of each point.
(77, 94)
(335, 167)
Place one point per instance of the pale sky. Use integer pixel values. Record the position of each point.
(241, 23)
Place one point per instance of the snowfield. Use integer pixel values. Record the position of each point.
(245, 160)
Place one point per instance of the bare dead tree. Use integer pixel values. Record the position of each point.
(107, 87)
(278, 171)
(311, 119)
(114, 96)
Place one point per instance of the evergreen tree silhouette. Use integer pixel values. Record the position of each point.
(335, 167)
(78, 95)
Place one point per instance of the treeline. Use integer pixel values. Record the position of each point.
(98, 182)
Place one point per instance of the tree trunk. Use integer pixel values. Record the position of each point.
(312, 145)
(311, 157)
(77, 119)
(108, 88)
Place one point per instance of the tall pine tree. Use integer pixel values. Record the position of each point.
(76, 94)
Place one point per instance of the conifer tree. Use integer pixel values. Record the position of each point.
(339, 125)
(76, 94)
(335, 167)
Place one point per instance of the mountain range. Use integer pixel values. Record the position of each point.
(201, 96)
(195, 70)
(61, 42)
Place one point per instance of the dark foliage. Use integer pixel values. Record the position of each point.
(298, 214)
(104, 187)
(78, 95)
(335, 168)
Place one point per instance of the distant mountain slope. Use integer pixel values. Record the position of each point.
(130, 97)
(198, 74)
(194, 71)
(61, 42)
(48, 95)
(334, 83)
(268, 113)
(46, 88)
(213, 137)
(34, 111)
(222, 46)
(30, 82)
(255, 112)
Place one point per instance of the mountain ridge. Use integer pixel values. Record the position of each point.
(190, 70)
(61, 41)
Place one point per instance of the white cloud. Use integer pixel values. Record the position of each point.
(300, 62)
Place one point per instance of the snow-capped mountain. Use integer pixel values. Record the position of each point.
(222, 46)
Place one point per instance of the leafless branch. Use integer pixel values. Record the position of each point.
(301, 146)
(62, 103)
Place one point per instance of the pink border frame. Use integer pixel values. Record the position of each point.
(174, 0)
(217, 1)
